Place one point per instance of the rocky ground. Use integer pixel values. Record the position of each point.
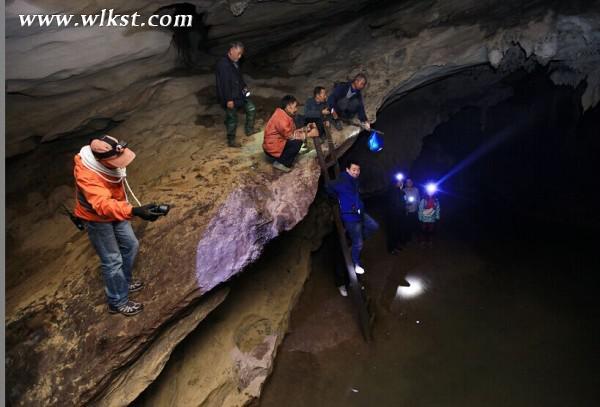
(62, 347)
(226, 205)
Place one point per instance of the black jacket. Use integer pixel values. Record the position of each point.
(339, 92)
(230, 82)
(396, 203)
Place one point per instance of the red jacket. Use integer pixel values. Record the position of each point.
(279, 129)
(98, 200)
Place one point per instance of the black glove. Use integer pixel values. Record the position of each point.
(145, 212)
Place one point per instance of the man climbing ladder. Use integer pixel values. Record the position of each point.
(355, 287)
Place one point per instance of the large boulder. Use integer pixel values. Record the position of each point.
(62, 346)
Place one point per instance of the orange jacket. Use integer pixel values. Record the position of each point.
(98, 200)
(279, 129)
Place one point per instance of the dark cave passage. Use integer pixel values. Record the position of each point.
(508, 312)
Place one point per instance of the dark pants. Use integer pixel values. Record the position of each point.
(412, 225)
(231, 118)
(359, 232)
(348, 107)
(320, 125)
(289, 153)
(397, 231)
(427, 231)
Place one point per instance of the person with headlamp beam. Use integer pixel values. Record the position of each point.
(397, 219)
(429, 214)
(102, 207)
(413, 197)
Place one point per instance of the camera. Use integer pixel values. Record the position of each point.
(246, 92)
(161, 209)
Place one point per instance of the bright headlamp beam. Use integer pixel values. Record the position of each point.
(431, 188)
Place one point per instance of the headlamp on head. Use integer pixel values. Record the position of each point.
(431, 188)
(117, 148)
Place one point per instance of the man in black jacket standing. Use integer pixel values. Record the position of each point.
(397, 219)
(233, 93)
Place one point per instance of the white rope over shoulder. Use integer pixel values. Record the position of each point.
(119, 175)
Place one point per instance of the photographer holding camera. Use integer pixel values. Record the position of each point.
(233, 92)
(102, 206)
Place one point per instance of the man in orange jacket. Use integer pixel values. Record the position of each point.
(102, 204)
(282, 141)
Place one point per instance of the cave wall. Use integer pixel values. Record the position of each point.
(60, 350)
(92, 76)
(67, 82)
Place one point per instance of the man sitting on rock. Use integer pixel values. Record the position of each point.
(102, 206)
(282, 141)
(346, 101)
(316, 110)
(233, 93)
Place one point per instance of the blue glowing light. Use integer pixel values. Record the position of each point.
(375, 142)
(431, 188)
(399, 176)
(411, 199)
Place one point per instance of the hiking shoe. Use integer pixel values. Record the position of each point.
(359, 270)
(337, 124)
(135, 285)
(128, 309)
(233, 143)
(343, 291)
(252, 131)
(281, 167)
(304, 149)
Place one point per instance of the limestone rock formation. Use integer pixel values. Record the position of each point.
(73, 81)
(132, 381)
(63, 346)
(65, 84)
(250, 326)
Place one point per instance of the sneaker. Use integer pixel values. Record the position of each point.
(337, 124)
(135, 285)
(343, 291)
(281, 167)
(128, 309)
(359, 270)
(304, 149)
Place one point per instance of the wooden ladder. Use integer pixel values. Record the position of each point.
(356, 289)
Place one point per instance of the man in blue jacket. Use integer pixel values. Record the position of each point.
(233, 93)
(357, 223)
(346, 101)
(316, 109)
